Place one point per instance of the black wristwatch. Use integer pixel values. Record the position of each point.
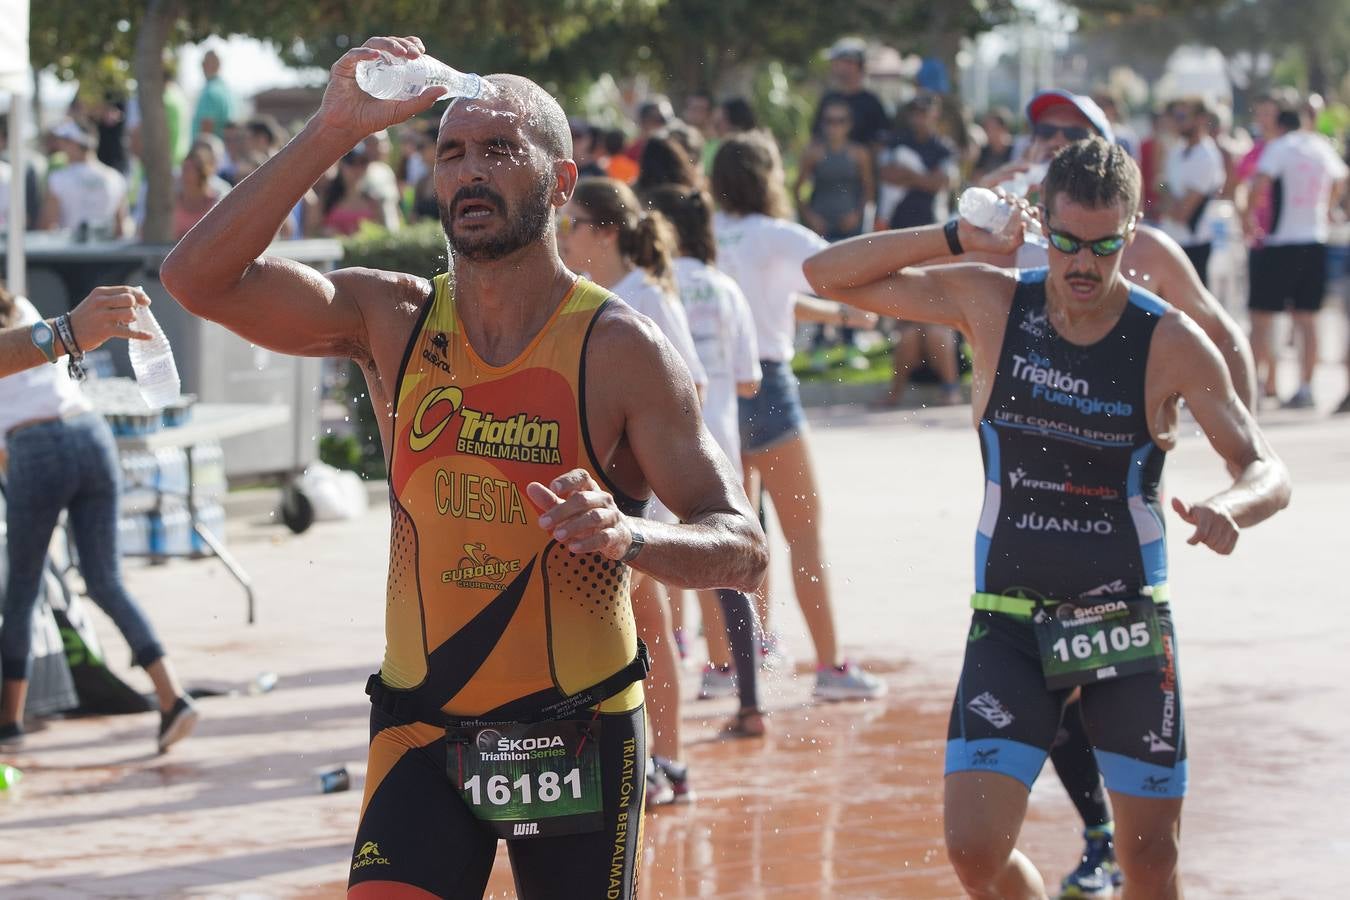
(635, 547)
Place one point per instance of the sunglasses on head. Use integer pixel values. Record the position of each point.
(568, 224)
(1071, 132)
(1068, 244)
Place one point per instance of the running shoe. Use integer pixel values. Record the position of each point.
(717, 681)
(660, 792)
(847, 682)
(1098, 875)
(11, 736)
(1302, 399)
(177, 723)
(677, 776)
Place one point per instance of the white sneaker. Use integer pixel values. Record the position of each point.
(847, 682)
(717, 682)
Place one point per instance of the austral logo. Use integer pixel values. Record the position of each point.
(438, 353)
(519, 438)
(480, 569)
(368, 855)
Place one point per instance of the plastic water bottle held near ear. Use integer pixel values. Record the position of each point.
(984, 209)
(398, 78)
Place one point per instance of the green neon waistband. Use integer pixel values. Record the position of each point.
(1023, 607)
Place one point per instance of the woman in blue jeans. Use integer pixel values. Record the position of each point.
(62, 457)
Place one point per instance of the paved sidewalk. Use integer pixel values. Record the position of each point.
(840, 801)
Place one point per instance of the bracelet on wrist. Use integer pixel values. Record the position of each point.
(953, 237)
(75, 366)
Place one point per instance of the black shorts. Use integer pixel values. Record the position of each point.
(416, 829)
(1287, 276)
(1004, 718)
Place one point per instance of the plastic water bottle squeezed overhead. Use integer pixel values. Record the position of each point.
(398, 78)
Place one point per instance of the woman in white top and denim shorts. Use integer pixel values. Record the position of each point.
(62, 456)
(763, 251)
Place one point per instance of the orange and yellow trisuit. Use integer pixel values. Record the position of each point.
(487, 616)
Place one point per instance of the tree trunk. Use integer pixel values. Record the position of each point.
(156, 155)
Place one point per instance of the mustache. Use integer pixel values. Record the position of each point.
(478, 192)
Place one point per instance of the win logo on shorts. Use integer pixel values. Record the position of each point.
(525, 829)
(986, 757)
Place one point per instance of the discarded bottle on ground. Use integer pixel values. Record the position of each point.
(335, 780)
(152, 361)
(398, 78)
(9, 777)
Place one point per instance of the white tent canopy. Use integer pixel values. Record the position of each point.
(15, 81)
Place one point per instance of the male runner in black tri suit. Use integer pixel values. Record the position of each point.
(1078, 375)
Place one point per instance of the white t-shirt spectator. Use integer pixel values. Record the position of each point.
(724, 335)
(648, 298)
(764, 256)
(1305, 167)
(1196, 168)
(42, 392)
(89, 192)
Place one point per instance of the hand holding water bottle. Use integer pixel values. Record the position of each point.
(994, 221)
(347, 108)
(108, 312)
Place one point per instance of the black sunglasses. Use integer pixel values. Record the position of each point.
(1071, 132)
(1106, 246)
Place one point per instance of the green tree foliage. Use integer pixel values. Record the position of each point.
(1316, 32)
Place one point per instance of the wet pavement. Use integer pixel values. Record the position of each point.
(840, 800)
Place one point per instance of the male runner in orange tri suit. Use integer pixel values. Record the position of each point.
(525, 414)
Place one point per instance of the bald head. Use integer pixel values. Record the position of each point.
(543, 119)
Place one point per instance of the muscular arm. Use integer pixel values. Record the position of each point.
(718, 542)
(1176, 282)
(1191, 367)
(879, 272)
(218, 271)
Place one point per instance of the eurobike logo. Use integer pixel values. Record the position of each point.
(368, 855)
(1017, 478)
(988, 707)
(479, 569)
(1110, 589)
(519, 437)
(1063, 388)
